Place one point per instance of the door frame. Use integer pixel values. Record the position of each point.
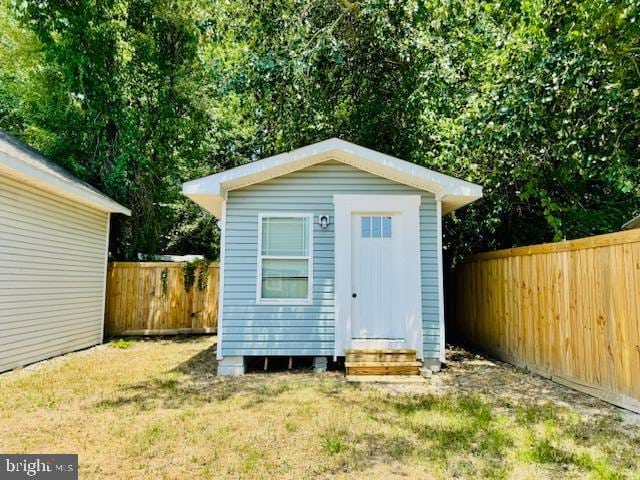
(410, 308)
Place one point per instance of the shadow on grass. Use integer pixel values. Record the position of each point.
(202, 364)
(194, 382)
(466, 433)
(466, 423)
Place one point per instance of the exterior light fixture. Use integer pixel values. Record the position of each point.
(323, 220)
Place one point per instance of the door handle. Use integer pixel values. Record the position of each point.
(354, 295)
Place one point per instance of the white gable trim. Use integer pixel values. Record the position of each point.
(209, 191)
(440, 280)
(633, 223)
(13, 164)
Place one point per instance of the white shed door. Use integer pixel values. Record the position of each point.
(376, 277)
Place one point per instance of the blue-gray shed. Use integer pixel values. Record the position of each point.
(329, 249)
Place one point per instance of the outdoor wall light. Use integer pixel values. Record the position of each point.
(323, 220)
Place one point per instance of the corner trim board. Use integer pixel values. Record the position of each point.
(440, 278)
(104, 276)
(223, 235)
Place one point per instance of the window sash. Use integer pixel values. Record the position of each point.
(285, 268)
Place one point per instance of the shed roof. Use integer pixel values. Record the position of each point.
(18, 160)
(209, 192)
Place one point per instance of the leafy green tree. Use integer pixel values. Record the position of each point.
(126, 108)
(536, 100)
(554, 128)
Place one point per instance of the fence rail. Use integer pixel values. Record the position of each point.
(150, 298)
(569, 311)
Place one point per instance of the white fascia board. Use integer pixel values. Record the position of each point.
(208, 191)
(454, 202)
(15, 168)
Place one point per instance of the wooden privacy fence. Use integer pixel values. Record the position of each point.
(567, 310)
(150, 298)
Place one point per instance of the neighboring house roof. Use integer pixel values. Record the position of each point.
(20, 161)
(209, 192)
(633, 223)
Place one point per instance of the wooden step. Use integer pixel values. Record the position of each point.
(382, 364)
(371, 355)
(381, 361)
(383, 368)
(396, 369)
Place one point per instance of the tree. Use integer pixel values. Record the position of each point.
(537, 101)
(127, 110)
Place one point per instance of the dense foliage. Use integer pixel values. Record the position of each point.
(538, 101)
(118, 92)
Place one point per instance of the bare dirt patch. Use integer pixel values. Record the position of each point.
(475, 373)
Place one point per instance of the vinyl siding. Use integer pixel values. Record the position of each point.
(52, 274)
(252, 329)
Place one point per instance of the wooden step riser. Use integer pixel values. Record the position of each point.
(386, 370)
(380, 357)
(390, 361)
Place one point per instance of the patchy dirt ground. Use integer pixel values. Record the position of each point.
(474, 373)
(143, 409)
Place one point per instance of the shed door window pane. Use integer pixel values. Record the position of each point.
(386, 227)
(365, 227)
(375, 227)
(285, 236)
(285, 258)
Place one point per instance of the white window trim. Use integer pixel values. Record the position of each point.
(345, 205)
(260, 257)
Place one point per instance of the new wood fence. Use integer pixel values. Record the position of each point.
(150, 298)
(567, 310)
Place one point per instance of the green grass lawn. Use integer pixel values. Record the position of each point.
(155, 409)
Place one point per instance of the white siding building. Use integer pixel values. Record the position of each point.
(54, 234)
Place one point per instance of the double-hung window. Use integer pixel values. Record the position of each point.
(284, 258)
